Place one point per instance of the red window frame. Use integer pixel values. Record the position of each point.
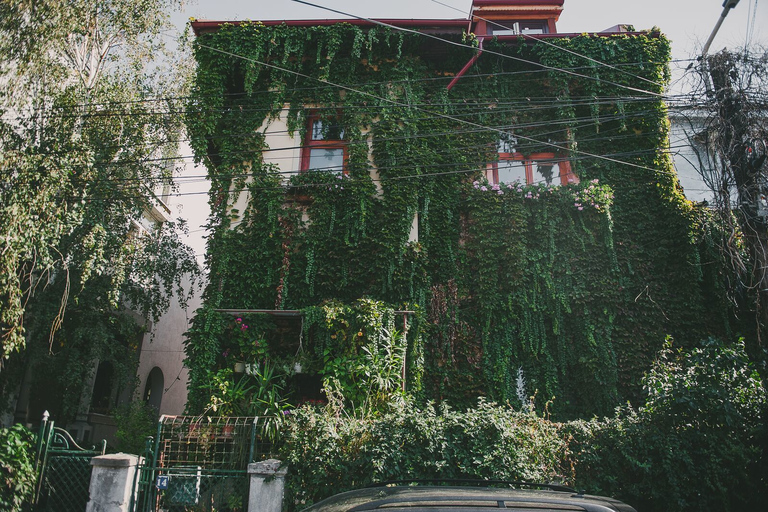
(565, 173)
(311, 143)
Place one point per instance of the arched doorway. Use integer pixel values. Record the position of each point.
(153, 389)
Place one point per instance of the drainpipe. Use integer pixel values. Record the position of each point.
(467, 65)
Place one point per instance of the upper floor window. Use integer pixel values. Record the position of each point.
(509, 28)
(325, 148)
(534, 168)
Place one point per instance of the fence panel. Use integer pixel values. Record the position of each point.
(200, 463)
(63, 470)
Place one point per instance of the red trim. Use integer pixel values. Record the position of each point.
(564, 167)
(201, 26)
(310, 144)
(516, 3)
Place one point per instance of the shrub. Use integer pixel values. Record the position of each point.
(17, 473)
(696, 444)
(135, 422)
(328, 454)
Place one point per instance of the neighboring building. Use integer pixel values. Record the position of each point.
(507, 183)
(688, 142)
(161, 379)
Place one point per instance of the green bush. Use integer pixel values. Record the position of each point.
(17, 472)
(697, 444)
(329, 454)
(135, 422)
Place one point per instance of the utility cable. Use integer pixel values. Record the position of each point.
(490, 52)
(405, 105)
(544, 41)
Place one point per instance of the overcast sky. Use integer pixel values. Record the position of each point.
(687, 23)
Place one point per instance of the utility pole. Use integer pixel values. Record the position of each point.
(727, 6)
(741, 149)
(743, 155)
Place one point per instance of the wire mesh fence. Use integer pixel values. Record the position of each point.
(65, 484)
(216, 443)
(193, 488)
(201, 463)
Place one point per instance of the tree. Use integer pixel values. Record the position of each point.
(729, 130)
(88, 136)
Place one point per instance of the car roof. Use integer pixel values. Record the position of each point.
(402, 498)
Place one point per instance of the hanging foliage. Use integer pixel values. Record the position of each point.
(519, 288)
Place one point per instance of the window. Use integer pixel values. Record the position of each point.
(511, 27)
(325, 148)
(536, 168)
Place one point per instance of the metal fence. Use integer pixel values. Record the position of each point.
(63, 470)
(200, 464)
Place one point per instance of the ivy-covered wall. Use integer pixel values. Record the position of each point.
(566, 292)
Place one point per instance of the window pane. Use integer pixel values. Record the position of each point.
(326, 159)
(533, 27)
(317, 130)
(507, 144)
(511, 171)
(329, 132)
(545, 172)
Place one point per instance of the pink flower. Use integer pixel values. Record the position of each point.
(484, 188)
(581, 208)
(500, 192)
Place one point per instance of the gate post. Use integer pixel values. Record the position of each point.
(112, 482)
(267, 486)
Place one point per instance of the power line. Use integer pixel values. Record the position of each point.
(544, 41)
(405, 105)
(462, 45)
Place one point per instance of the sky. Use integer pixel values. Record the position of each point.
(687, 23)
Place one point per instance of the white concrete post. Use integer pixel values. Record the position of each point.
(267, 486)
(112, 482)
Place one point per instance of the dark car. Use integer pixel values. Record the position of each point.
(469, 497)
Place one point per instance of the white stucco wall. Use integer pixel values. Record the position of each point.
(685, 158)
(163, 347)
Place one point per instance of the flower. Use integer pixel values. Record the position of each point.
(500, 192)
(484, 188)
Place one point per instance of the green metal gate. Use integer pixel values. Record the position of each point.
(199, 463)
(63, 470)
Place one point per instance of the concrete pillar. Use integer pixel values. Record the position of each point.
(112, 482)
(267, 486)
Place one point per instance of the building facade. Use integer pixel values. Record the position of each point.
(506, 185)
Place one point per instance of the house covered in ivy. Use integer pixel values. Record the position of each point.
(455, 208)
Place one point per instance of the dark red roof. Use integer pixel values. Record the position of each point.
(201, 26)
